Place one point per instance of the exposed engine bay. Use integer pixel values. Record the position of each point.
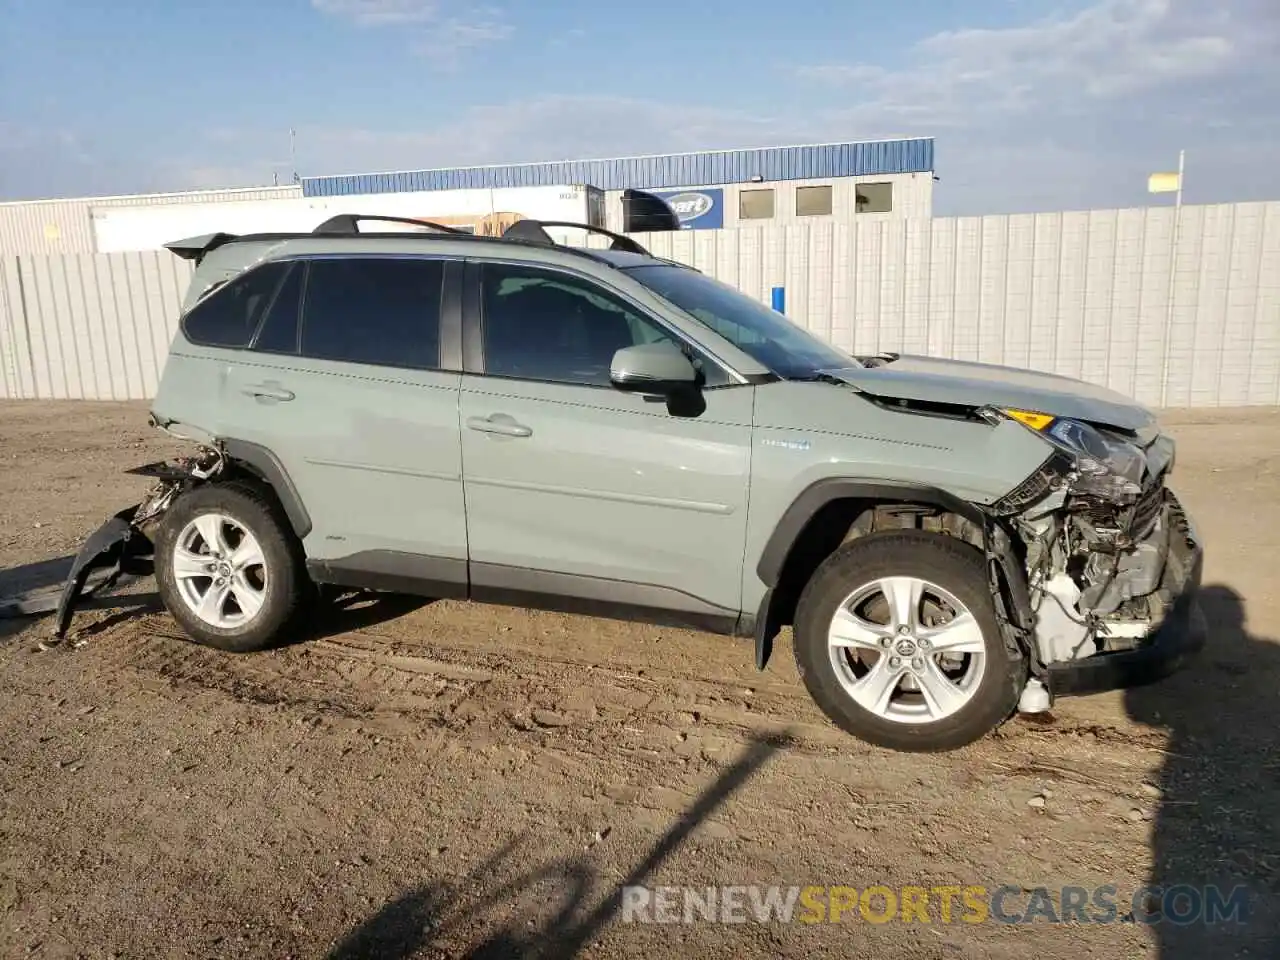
(1094, 573)
(1106, 545)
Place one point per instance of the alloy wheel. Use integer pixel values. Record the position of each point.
(220, 571)
(907, 650)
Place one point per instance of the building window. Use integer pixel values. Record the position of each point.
(755, 204)
(813, 201)
(873, 197)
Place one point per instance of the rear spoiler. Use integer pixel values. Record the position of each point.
(195, 248)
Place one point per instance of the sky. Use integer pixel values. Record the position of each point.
(1035, 105)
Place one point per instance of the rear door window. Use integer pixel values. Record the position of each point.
(381, 311)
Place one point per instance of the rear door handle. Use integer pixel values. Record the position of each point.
(501, 424)
(268, 391)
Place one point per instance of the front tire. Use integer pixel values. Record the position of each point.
(897, 641)
(229, 568)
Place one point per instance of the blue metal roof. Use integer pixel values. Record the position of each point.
(870, 158)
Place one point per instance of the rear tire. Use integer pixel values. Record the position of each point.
(922, 602)
(229, 568)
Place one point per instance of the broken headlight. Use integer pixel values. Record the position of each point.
(1100, 466)
(1107, 467)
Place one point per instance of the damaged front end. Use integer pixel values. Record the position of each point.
(1113, 563)
(121, 546)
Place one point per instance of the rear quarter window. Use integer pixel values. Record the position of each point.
(278, 331)
(229, 316)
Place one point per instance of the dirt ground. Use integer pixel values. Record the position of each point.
(444, 779)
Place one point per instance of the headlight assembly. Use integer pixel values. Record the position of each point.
(1100, 466)
(1114, 467)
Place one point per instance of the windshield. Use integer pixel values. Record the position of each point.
(764, 334)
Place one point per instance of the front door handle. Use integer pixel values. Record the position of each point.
(268, 391)
(501, 424)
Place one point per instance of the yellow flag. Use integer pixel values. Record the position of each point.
(1163, 183)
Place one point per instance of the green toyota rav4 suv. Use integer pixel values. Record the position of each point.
(601, 431)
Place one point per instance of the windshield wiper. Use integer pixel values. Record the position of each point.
(878, 360)
(819, 377)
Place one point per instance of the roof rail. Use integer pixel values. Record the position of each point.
(345, 224)
(535, 232)
(642, 212)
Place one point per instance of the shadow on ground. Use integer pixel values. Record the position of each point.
(31, 590)
(569, 913)
(338, 613)
(1217, 829)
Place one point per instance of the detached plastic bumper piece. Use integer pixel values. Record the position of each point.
(118, 546)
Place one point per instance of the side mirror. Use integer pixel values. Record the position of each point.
(659, 369)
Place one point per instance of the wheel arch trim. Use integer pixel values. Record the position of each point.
(266, 466)
(817, 495)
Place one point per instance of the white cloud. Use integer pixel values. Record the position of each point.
(1068, 111)
(1115, 48)
(447, 42)
(842, 74)
(32, 155)
(437, 33)
(1110, 49)
(377, 13)
(191, 174)
(552, 127)
(1072, 109)
(572, 36)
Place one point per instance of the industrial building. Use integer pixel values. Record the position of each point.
(713, 189)
(709, 190)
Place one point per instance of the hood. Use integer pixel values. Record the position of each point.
(978, 384)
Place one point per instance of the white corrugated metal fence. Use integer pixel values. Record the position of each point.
(1082, 294)
(87, 326)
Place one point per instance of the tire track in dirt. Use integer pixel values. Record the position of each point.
(364, 674)
(473, 687)
(308, 678)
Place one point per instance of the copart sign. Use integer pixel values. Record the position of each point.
(697, 209)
